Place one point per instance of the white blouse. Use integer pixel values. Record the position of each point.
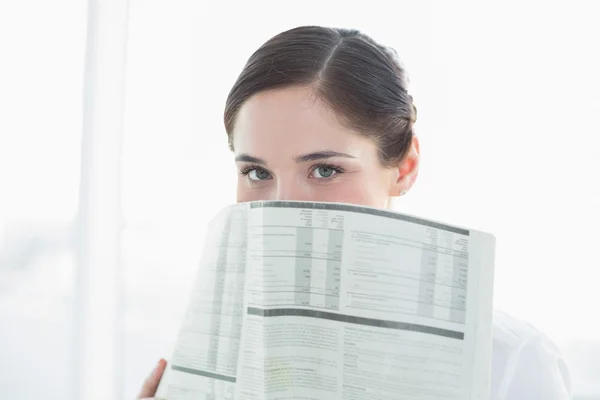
(526, 365)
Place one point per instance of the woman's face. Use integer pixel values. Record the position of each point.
(289, 146)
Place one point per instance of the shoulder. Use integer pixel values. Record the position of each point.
(526, 364)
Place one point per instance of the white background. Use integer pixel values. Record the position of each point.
(508, 99)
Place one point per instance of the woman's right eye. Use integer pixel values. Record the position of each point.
(258, 174)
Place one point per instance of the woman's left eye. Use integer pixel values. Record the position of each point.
(324, 171)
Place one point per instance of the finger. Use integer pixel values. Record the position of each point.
(151, 383)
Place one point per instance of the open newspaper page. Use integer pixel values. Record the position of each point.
(204, 363)
(330, 301)
(353, 303)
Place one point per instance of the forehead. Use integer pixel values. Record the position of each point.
(291, 121)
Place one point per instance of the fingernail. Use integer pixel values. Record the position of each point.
(159, 366)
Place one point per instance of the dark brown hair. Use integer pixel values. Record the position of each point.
(360, 80)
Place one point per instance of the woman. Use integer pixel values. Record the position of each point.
(322, 114)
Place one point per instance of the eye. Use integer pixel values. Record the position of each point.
(259, 175)
(256, 174)
(325, 171)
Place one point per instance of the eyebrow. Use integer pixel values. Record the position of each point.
(250, 159)
(319, 155)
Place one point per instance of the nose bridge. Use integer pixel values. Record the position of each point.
(288, 189)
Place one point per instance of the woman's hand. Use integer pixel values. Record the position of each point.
(151, 384)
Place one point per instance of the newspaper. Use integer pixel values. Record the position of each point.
(321, 301)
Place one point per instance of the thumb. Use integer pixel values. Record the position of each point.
(151, 383)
